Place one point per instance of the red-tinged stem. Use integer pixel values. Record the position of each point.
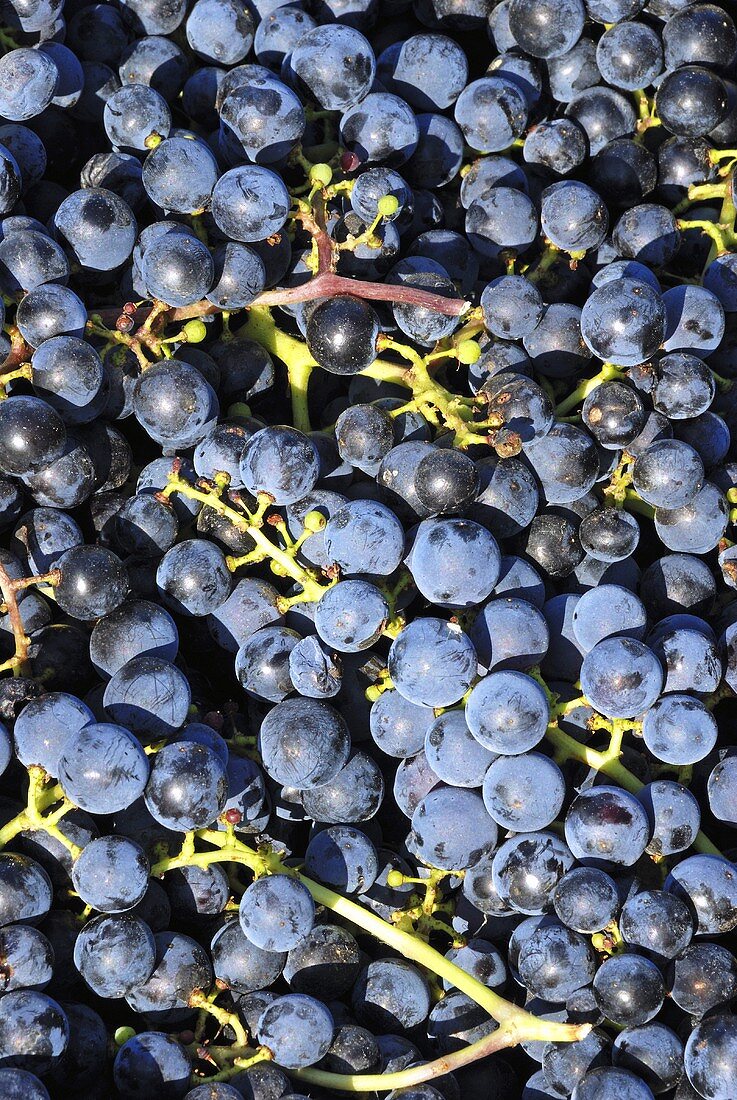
(315, 225)
(20, 352)
(327, 285)
(321, 286)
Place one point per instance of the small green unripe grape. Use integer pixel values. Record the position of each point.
(468, 352)
(123, 1034)
(238, 409)
(321, 174)
(395, 879)
(388, 205)
(314, 521)
(278, 569)
(195, 331)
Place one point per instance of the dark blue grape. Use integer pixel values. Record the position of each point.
(174, 404)
(239, 963)
(547, 31)
(621, 677)
(454, 754)
(656, 922)
(187, 788)
(111, 874)
(46, 725)
(344, 858)
(507, 712)
(303, 743)
(26, 890)
(27, 83)
(250, 203)
(524, 792)
(28, 259)
(624, 321)
(179, 175)
(34, 1031)
(335, 65)
(276, 913)
(152, 1061)
(451, 829)
(492, 113)
(629, 990)
(432, 662)
(50, 310)
(148, 694)
(298, 1029)
(103, 768)
(115, 954)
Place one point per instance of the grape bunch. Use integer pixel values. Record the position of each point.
(368, 602)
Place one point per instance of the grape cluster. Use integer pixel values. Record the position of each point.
(368, 625)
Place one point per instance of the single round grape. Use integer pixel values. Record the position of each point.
(344, 858)
(103, 768)
(507, 712)
(335, 65)
(679, 730)
(276, 913)
(656, 922)
(621, 677)
(613, 1081)
(32, 434)
(111, 874)
(250, 203)
(523, 792)
(187, 788)
(454, 754)
(303, 742)
(555, 961)
(354, 795)
(452, 829)
(432, 663)
(391, 994)
(342, 334)
(115, 954)
(454, 562)
(586, 899)
(280, 461)
(709, 1057)
(707, 884)
(608, 824)
(193, 577)
(624, 321)
(149, 695)
(34, 1031)
(629, 989)
(152, 1061)
(702, 977)
(527, 868)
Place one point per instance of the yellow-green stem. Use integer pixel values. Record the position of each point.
(518, 1023)
(287, 565)
(608, 762)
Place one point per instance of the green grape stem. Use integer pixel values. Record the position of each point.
(41, 796)
(609, 372)
(608, 763)
(516, 1025)
(252, 525)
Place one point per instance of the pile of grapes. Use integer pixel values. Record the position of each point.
(368, 606)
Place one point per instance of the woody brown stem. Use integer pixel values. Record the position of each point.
(10, 586)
